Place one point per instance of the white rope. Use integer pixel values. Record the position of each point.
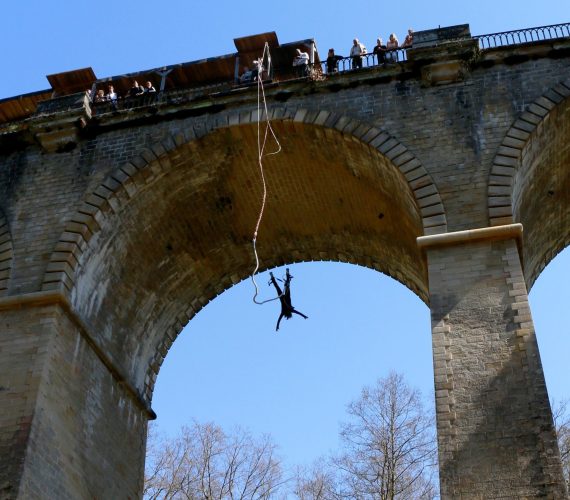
(260, 154)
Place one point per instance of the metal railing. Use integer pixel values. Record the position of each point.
(518, 37)
(368, 60)
(108, 106)
(340, 65)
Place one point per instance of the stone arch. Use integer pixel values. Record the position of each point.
(125, 184)
(529, 183)
(6, 255)
(179, 322)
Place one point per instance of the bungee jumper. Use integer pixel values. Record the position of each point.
(287, 308)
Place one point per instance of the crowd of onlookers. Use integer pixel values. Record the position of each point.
(136, 90)
(384, 53)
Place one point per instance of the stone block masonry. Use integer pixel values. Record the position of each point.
(491, 397)
(117, 227)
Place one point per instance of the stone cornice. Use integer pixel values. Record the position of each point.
(505, 232)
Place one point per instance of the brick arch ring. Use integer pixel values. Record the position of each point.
(6, 254)
(124, 182)
(509, 155)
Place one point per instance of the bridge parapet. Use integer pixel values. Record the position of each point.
(21, 107)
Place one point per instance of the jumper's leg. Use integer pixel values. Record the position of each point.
(278, 321)
(300, 313)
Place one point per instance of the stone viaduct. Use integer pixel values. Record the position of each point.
(118, 225)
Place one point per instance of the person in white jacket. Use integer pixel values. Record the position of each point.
(356, 52)
(301, 63)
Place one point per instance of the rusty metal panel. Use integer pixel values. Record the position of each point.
(183, 75)
(253, 43)
(70, 82)
(213, 70)
(19, 107)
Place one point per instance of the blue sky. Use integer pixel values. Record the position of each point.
(229, 365)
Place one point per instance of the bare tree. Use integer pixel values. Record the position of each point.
(389, 444)
(318, 482)
(205, 462)
(561, 414)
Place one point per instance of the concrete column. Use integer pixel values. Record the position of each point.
(495, 430)
(68, 427)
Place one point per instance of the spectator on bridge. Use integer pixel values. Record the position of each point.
(356, 52)
(392, 45)
(380, 51)
(111, 94)
(100, 96)
(136, 89)
(149, 88)
(409, 40)
(257, 71)
(392, 42)
(301, 63)
(332, 62)
(246, 76)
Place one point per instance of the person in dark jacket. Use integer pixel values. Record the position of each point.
(287, 308)
(332, 62)
(380, 51)
(136, 89)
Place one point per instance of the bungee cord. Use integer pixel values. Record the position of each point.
(260, 155)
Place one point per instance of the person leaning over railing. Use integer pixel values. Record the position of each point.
(380, 51)
(409, 40)
(332, 62)
(135, 89)
(149, 88)
(301, 63)
(392, 45)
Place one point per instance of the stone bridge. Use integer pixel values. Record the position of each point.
(449, 172)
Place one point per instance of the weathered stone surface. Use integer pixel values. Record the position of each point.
(491, 398)
(139, 220)
(68, 429)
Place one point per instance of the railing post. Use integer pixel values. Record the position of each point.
(163, 74)
(236, 69)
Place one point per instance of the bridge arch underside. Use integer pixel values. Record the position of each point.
(186, 236)
(541, 192)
